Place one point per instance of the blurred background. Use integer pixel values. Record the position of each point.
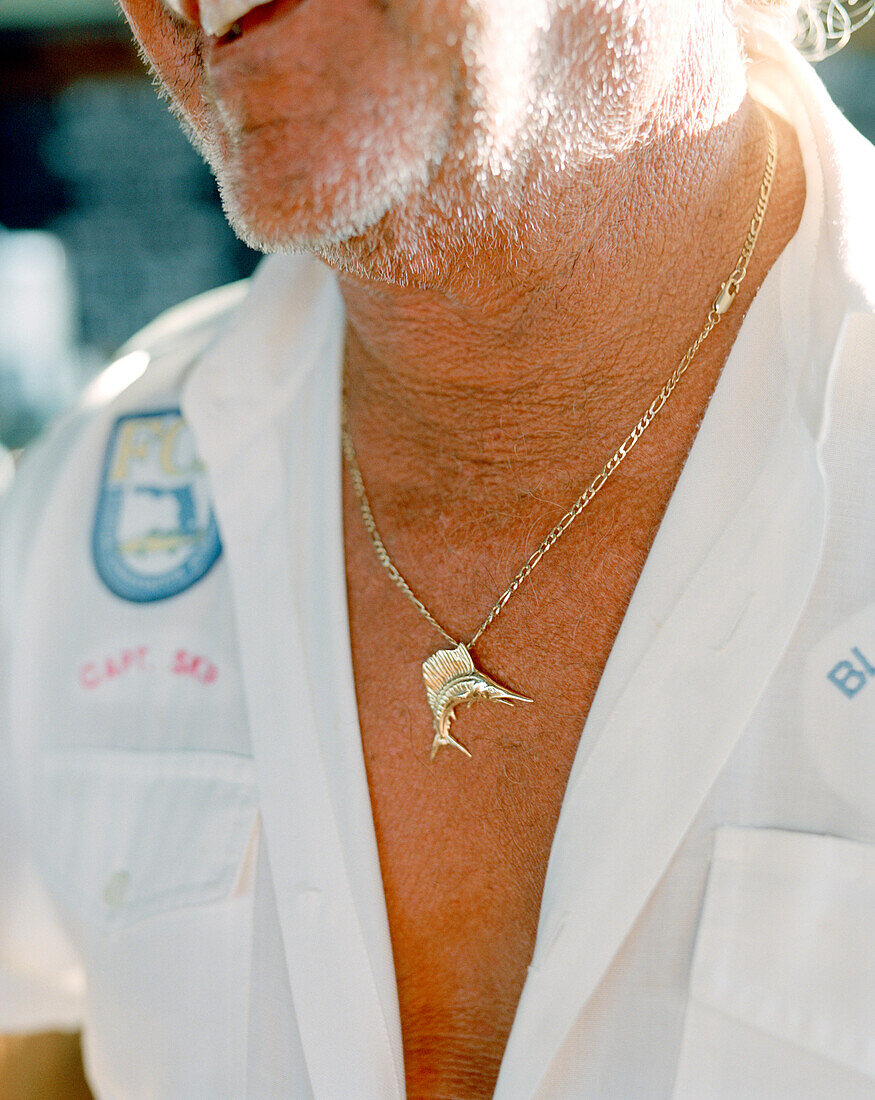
(108, 216)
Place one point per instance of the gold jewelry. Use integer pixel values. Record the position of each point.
(449, 674)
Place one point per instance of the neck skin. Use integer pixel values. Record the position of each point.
(516, 386)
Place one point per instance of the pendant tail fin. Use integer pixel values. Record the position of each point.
(447, 739)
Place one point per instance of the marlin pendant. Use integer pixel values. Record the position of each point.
(450, 680)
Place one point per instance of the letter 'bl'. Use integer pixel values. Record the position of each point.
(851, 677)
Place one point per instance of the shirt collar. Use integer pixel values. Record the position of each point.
(285, 327)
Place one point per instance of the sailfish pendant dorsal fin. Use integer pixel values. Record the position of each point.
(443, 666)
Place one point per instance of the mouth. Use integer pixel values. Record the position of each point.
(216, 17)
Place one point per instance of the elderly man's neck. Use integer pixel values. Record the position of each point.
(552, 334)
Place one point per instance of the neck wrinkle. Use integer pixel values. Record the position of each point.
(572, 345)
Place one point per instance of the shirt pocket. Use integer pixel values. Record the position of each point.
(124, 836)
(149, 857)
(782, 992)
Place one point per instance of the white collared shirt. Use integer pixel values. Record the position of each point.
(189, 870)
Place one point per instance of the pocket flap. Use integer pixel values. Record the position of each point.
(126, 835)
(785, 942)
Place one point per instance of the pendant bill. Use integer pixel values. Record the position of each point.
(450, 680)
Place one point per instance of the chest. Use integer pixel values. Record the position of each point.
(463, 847)
(464, 843)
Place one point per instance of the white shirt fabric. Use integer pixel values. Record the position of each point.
(189, 870)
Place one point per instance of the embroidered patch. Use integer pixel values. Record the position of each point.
(155, 534)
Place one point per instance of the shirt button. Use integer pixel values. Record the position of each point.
(116, 889)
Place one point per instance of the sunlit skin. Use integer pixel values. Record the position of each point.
(517, 290)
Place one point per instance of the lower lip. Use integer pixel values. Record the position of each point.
(190, 10)
(264, 13)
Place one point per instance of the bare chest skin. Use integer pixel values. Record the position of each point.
(464, 843)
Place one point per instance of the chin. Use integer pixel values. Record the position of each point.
(289, 184)
(314, 210)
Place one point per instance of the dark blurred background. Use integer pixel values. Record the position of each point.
(122, 216)
(128, 216)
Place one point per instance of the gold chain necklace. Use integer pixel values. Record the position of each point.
(449, 674)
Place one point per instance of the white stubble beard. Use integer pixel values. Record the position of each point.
(533, 100)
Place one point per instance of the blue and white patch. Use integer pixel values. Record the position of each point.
(155, 534)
